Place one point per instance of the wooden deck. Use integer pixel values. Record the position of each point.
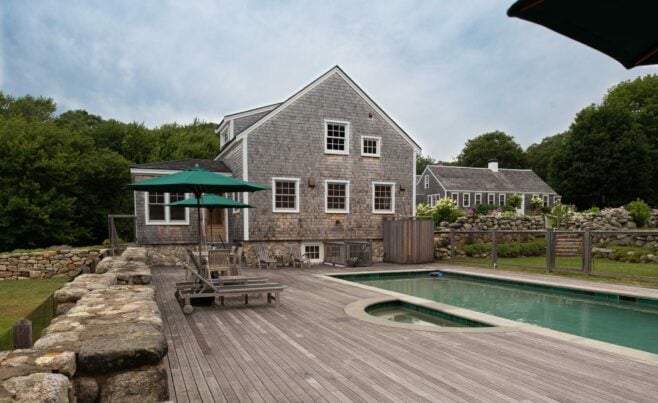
(308, 349)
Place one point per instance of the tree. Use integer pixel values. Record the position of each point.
(539, 156)
(605, 159)
(29, 108)
(478, 151)
(422, 161)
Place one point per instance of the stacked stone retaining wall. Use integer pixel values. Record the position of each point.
(107, 344)
(50, 263)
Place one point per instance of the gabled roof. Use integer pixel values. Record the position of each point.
(181, 165)
(279, 107)
(483, 179)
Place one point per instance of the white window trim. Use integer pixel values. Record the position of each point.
(167, 220)
(504, 198)
(452, 197)
(546, 200)
(491, 199)
(477, 196)
(303, 250)
(346, 151)
(297, 195)
(427, 181)
(465, 197)
(237, 196)
(347, 196)
(392, 185)
(379, 146)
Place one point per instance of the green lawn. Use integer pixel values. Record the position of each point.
(20, 297)
(607, 267)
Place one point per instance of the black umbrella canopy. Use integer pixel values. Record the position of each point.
(625, 30)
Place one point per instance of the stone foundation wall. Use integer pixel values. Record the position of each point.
(107, 344)
(51, 263)
(281, 248)
(167, 255)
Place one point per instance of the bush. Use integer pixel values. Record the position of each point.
(512, 249)
(592, 210)
(640, 212)
(446, 209)
(484, 209)
(514, 201)
(534, 248)
(477, 249)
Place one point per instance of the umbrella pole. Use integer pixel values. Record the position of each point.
(198, 215)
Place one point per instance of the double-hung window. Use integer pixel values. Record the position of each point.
(383, 197)
(545, 200)
(237, 196)
(478, 199)
(491, 198)
(285, 195)
(466, 200)
(427, 181)
(455, 197)
(501, 199)
(337, 196)
(336, 137)
(158, 213)
(371, 146)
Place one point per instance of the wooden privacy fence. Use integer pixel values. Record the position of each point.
(409, 240)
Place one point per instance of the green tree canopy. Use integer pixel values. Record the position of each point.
(422, 161)
(539, 156)
(497, 145)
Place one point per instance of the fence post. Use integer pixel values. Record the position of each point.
(550, 250)
(494, 248)
(22, 334)
(587, 252)
(453, 245)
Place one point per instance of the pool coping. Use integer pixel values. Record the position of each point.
(501, 325)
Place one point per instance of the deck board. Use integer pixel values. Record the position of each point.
(308, 349)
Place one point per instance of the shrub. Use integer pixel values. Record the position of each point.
(640, 212)
(424, 210)
(592, 210)
(477, 249)
(484, 209)
(446, 209)
(534, 248)
(512, 249)
(514, 201)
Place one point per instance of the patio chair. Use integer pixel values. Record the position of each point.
(218, 262)
(264, 257)
(297, 257)
(235, 260)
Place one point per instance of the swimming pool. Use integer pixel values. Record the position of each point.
(622, 320)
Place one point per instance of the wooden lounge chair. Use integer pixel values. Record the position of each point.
(298, 257)
(216, 289)
(264, 257)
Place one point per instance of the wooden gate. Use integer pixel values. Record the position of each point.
(409, 240)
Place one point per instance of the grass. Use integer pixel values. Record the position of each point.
(610, 270)
(20, 297)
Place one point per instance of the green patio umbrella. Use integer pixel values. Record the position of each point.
(622, 29)
(197, 181)
(210, 201)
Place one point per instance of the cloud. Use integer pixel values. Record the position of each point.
(446, 71)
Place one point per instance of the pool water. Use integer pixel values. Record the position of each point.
(622, 321)
(402, 315)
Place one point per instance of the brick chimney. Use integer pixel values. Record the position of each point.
(493, 165)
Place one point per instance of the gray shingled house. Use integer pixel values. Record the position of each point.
(492, 185)
(336, 163)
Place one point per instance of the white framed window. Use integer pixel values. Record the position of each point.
(383, 197)
(455, 197)
(336, 196)
(557, 199)
(285, 195)
(158, 213)
(478, 198)
(544, 199)
(501, 199)
(431, 199)
(313, 251)
(237, 196)
(427, 181)
(336, 137)
(491, 198)
(371, 146)
(466, 200)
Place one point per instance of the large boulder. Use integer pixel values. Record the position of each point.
(24, 362)
(145, 384)
(38, 387)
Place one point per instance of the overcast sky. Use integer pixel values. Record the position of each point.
(446, 71)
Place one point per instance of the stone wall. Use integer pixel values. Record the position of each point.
(281, 248)
(607, 220)
(106, 345)
(167, 255)
(50, 263)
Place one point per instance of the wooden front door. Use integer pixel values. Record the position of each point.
(216, 225)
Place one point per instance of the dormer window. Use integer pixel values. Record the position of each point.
(336, 137)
